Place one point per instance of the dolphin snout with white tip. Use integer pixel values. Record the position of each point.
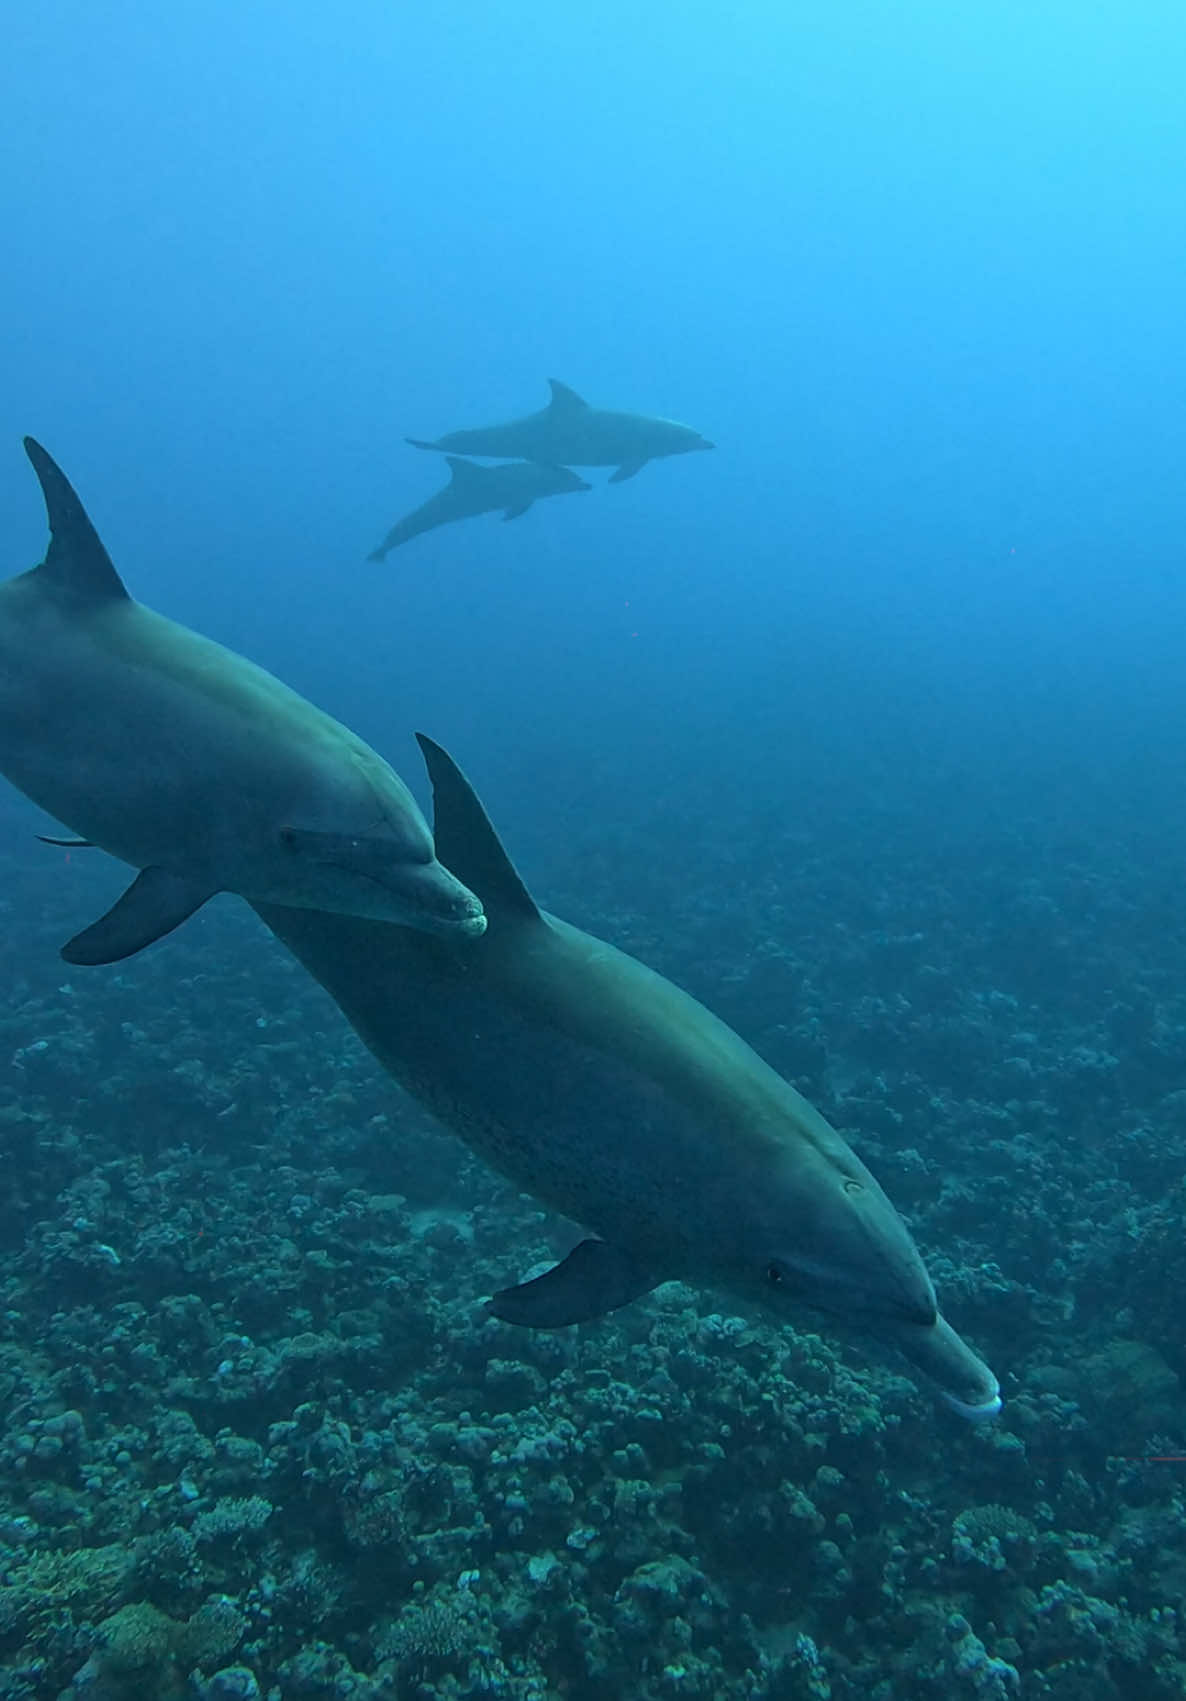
(192, 764)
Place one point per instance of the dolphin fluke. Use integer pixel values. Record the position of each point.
(76, 561)
(593, 1279)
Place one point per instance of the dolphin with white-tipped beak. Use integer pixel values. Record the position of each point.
(616, 1099)
(191, 764)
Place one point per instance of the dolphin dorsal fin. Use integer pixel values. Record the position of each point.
(76, 561)
(463, 471)
(466, 842)
(565, 399)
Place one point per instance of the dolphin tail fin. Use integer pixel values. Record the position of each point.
(466, 842)
(402, 532)
(154, 904)
(593, 1279)
(76, 561)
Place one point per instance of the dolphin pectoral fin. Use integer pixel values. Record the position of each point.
(627, 470)
(154, 904)
(67, 844)
(513, 513)
(595, 1278)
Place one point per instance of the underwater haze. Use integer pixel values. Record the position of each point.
(865, 727)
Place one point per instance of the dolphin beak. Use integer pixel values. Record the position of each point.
(962, 1377)
(438, 902)
(908, 1295)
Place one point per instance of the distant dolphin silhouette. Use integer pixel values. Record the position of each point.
(570, 433)
(473, 490)
(618, 1100)
(192, 764)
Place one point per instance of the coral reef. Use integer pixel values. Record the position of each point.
(262, 1442)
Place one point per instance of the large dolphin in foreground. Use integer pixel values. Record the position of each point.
(570, 433)
(618, 1100)
(192, 764)
(474, 490)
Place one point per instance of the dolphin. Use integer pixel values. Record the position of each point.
(192, 764)
(616, 1099)
(473, 490)
(568, 432)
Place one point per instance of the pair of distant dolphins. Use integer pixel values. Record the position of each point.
(541, 450)
(595, 1084)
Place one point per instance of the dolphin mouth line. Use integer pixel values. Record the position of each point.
(863, 1307)
(473, 922)
(843, 1296)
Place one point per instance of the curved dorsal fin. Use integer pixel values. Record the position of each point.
(76, 561)
(460, 469)
(563, 397)
(466, 842)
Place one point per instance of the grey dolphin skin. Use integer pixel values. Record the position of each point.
(192, 764)
(570, 433)
(618, 1100)
(473, 490)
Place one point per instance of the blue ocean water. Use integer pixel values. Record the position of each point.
(864, 727)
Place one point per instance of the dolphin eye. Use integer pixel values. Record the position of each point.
(775, 1275)
(851, 1186)
(288, 836)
